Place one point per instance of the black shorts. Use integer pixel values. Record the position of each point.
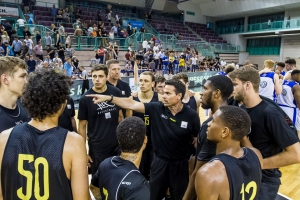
(99, 157)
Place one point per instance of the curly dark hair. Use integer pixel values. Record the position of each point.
(237, 120)
(131, 134)
(45, 93)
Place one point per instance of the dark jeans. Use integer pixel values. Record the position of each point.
(172, 175)
(85, 86)
(268, 191)
(101, 59)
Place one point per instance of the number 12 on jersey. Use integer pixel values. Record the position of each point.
(29, 176)
(250, 185)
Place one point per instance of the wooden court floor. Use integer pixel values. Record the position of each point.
(290, 179)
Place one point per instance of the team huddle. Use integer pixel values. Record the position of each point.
(147, 144)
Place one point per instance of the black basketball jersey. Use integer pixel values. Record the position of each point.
(192, 103)
(12, 117)
(146, 117)
(244, 174)
(32, 166)
(119, 179)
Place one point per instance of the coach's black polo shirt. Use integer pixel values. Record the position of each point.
(172, 135)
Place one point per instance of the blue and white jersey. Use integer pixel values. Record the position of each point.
(283, 73)
(267, 87)
(287, 101)
(221, 73)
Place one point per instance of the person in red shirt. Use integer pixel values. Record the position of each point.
(101, 54)
(127, 56)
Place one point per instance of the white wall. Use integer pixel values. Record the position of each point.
(190, 6)
(260, 59)
(237, 40)
(290, 47)
(243, 56)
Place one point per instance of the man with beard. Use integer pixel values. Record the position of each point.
(290, 65)
(270, 133)
(215, 93)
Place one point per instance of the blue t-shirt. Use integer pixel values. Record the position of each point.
(68, 67)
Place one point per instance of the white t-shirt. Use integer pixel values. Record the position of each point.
(21, 22)
(194, 61)
(155, 48)
(145, 43)
(29, 43)
(156, 55)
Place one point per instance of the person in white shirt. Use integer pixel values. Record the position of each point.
(155, 48)
(21, 23)
(194, 60)
(56, 59)
(48, 39)
(156, 58)
(61, 29)
(144, 44)
(129, 48)
(29, 43)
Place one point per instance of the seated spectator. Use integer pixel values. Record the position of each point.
(38, 61)
(84, 27)
(59, 16)
(66, 16)
(111, 34)
(56, 59)
(48, 59)
(48, 39)
(77, 12)
(50, 51)
(78, 32)
(69, 51)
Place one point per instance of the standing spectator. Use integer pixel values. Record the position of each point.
(99, 15)
(26, 32)
(9, 50)
(68, 39)
(61, 52)
(24, 50)
(127, 56)
(101, 53)
(144, 44)
(57, 38)
(50, 51)
(38, 36)
(2, 51)
(61, 29)
(54, 12)
(104, 35)
(288, 23)
(75, 63)
(48, 60)
(48, 39)
(69, 51)
(115, 29)
(26, 4)
(16, 45)
(118, 19)
(111, 35)
(29, 43)
(194, 60)
(68, 67)
(5, 37)
(171, 63)
(31, 63)
(269, 24)
(84, 27)
(129, 29)
(116, 50)
(109, 16)
(21, 23)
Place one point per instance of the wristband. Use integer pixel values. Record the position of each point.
(112, 97)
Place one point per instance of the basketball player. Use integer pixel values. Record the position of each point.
(289, 100)
(41, 160)
(228, 68)
(290, 65)
(270, 133)
(67, 118)
(188, 100)
(235, 172)
(13, 72)
(270, 82)
(159, 84)
(146, 95)
(173, 125)
(118, 177)
(279, 69)
(113, 79)
(101, 119)
(215, 93)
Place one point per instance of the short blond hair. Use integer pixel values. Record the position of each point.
(9, 65)
(269, 64)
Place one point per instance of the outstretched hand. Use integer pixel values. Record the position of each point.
(97, 98)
